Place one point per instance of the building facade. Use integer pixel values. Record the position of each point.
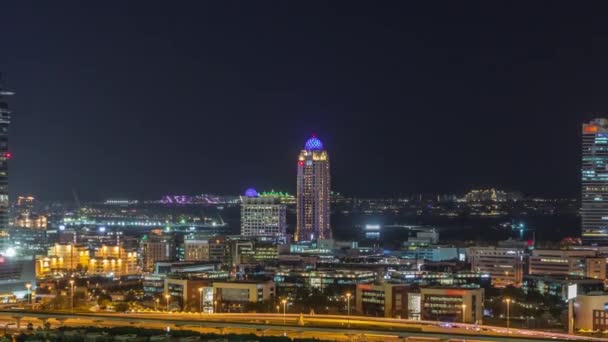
(313, 192)
(594, 173)
(262, 216)
(504, 265)
(113, 260)
(555, 262)
(157, 248)
(452, 304)
(590, 311)
(5, 155)
(382, 300)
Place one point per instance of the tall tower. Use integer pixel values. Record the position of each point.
(5, 155)
(594, 191)
(313, 192)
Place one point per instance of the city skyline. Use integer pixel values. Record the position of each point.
(396, 88)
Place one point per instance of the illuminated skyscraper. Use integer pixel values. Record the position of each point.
(4, 156)
(313, 192)
(594, 194)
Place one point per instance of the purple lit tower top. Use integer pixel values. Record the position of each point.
(251, 192)
(313, 144)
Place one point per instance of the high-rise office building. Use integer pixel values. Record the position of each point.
(594, 192)
(5, 155)
(262, 216)
(313, 192)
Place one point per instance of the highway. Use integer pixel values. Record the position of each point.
(330, 327)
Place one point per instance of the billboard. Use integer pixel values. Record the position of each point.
(572, 289)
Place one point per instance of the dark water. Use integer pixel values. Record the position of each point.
(350, 226)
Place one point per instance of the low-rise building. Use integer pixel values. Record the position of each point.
(62, 258)
(558, 285)
(322, 278)
(186, 293)
(591, 311)
(384, 300)
(504, 265)
(560, 262)
(234, 295)
(113, 260)
(452, 304)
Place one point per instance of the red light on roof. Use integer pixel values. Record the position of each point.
(590, 129)
(8, 155)
(301, 162)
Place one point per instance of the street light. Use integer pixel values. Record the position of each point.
(284, 302)
(72, 294)
(29, 293)
(167, 297)
(464, 307)
(348, 306)
(508, 300)
(157, 304)
(200, 300)
(278, 308)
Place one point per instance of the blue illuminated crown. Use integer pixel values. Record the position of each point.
(251, 192)
(313, 144)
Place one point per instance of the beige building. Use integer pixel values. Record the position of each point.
(452, 304)
(62, 258)
(157, 248)
(187, 294)
(595, 268)
(505, 265)
(113, 260)
(196, 250)
(563, 262)
(590, 311)
(388, 300)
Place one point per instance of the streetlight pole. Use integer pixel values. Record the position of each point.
(508, 300)
(29, 293)
(200, 300)
(72, 295)
(167, 297)
(284, 302)
(348, 307)
(464, 308)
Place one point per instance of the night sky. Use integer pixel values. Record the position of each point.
(141, 99)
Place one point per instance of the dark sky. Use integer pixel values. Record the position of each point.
(140, 98)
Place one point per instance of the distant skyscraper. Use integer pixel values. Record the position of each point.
(262, 216)
(4, 156)
(594, 194)
(313, 192)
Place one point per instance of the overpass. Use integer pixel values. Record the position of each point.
(330, 327)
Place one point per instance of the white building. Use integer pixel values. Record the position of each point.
(262, 216)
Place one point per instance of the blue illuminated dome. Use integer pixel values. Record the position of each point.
(313, 144)
(251, 192)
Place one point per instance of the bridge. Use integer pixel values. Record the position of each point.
(329, 327)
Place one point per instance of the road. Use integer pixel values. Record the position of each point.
(330, 327)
